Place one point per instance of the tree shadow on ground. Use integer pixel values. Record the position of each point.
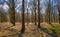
(22, 32)
(20, 35)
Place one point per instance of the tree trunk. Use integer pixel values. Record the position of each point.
(27, 13)
(27, 16)
(59, 13)
(49, 10)
(35, 10)
(12, 13)
(38, 13)
(23, 23)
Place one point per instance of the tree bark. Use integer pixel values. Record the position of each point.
(38, 13)
(35, 10)
(23, 23)
(12, 13)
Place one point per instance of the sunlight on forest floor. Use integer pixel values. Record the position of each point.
(6, 30)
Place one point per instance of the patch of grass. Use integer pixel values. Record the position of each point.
(49, 30)
(55, 29)
(56, 26)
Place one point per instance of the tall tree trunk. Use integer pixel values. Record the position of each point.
(59, 13)
(38, 13)
(49, 10)
(27, 16)
(54, 17)
(27, 13)
(23, 23)
(12, 13)
(32, 16)
(35, 10)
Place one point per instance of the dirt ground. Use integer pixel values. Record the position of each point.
(31, 30)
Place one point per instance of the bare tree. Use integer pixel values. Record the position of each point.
(35, 10)
(27, 16)
(12, 13)
(23, 23)
(27, 13)
(59, 12)
(38, 13)
(48, 11)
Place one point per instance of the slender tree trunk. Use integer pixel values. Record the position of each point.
(32, 16)
(23, 23)
(49, 10)
(59, 13)
(59, 16)
(27, 13)
(35, 10)
(0, 17)
(38, 13)
(49, 18)
(27, 16)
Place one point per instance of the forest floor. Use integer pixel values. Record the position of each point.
(31, 30)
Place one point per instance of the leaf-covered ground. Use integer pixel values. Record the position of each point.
(31, 30)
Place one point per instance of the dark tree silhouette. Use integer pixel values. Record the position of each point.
(38, 13)
(59, 12)
(23, 23)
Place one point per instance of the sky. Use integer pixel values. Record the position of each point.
(43, 4)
